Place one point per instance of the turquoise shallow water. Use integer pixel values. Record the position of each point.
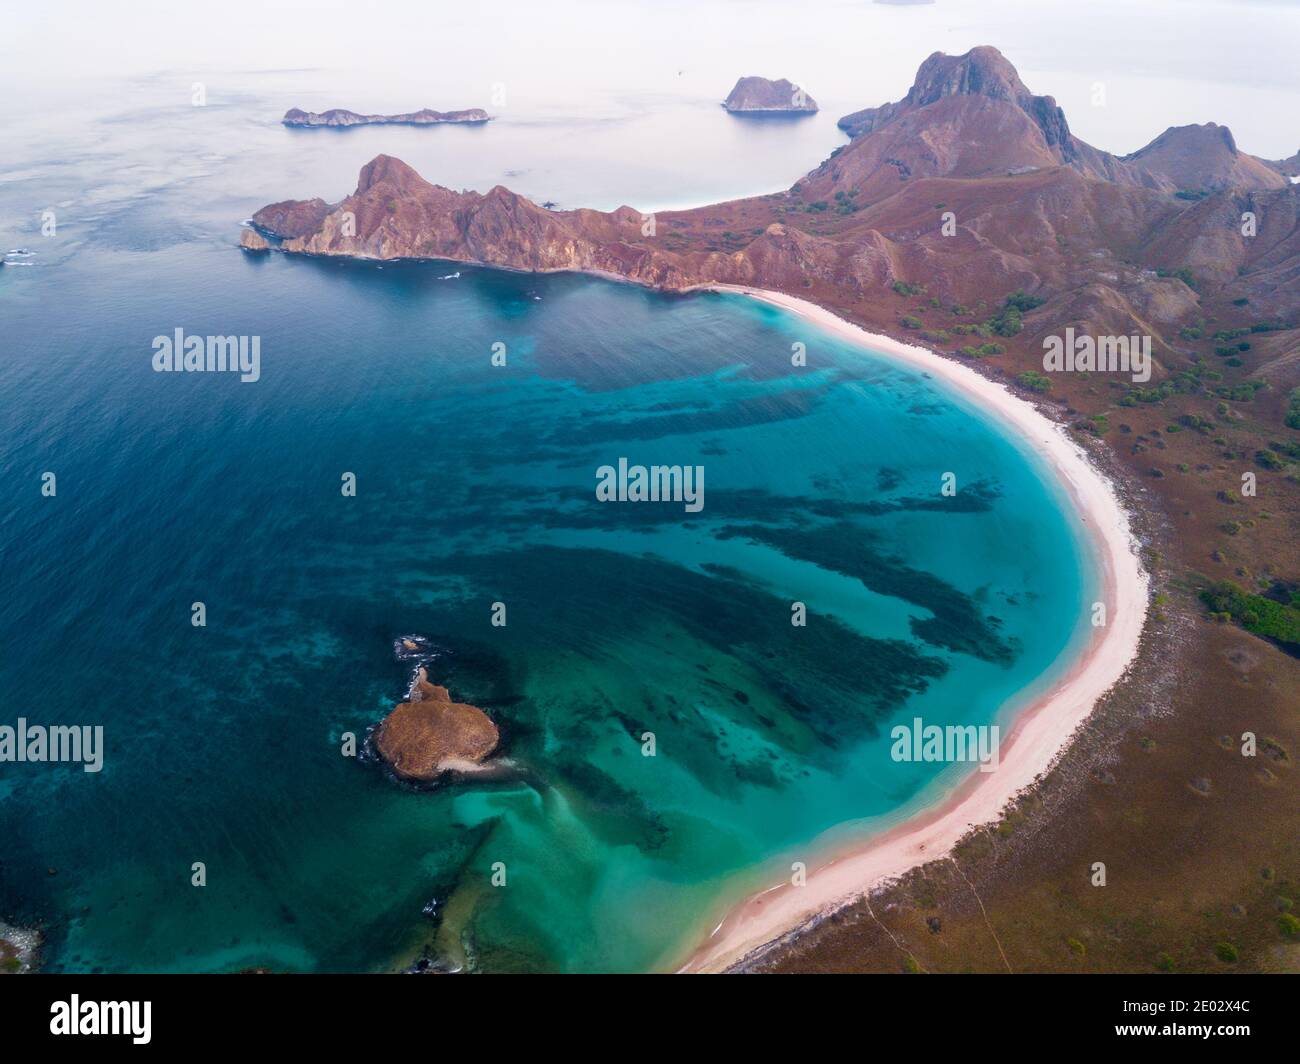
(475, 485)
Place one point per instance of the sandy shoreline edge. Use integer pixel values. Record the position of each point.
(1039, 734)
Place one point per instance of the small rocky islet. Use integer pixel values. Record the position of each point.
(753, 95)
(429, 734)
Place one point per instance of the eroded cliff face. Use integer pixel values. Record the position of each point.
(967, 187)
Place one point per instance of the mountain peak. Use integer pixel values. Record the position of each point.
(1209, 136)
(983, 71)
(1203, 158)
(387, 170)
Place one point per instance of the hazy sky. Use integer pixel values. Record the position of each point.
(1163, 62)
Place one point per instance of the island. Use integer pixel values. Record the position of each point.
(338, 118)
(429, 734)
(763, 96)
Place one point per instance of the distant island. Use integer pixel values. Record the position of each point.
(339, 118)
(764, 96)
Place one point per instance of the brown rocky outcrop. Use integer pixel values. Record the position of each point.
(429, 734)
(292, 218)
(252, 240)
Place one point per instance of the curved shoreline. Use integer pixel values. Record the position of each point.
(1040, 733)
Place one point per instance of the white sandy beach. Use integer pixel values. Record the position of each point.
(1040, 733)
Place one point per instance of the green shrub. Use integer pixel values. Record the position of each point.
(1022, 302)
(1258, 614)
(983, 351)
(1184, 275)
(1241, 393)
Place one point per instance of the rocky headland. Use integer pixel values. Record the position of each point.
(252, 240)
(429, 734)
(764, 96)
(338, 118)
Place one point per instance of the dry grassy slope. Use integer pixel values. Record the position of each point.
(1287, 167)
(1199, 843)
